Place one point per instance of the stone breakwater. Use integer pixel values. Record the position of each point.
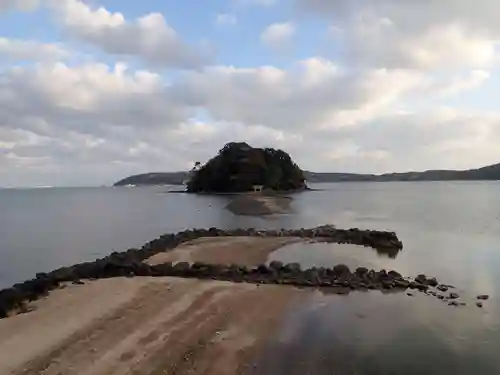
(130, 263)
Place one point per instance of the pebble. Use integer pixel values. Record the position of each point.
(453, 295)
(483, 297)
(479, 304)
(442, 288)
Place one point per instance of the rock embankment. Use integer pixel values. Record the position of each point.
(131, 263)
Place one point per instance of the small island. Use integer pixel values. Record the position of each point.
(238, 167)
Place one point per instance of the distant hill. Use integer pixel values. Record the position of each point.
(491, 172)
(159, 178)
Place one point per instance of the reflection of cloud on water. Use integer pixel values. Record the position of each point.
(323, 334)
(325, 254)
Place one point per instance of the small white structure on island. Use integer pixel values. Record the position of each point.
(257, 188)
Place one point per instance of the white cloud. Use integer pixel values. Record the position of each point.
(23, 5)
(226, 19)
(278, 34)
(437, 138)
(416, 14)
(91, 99)
(17, 49)
(312, 94)
(378, 42)
(459, 84)
(95, 123)
(80, 125)
(148, 37)
(92, 124)
(55, 118)
(427, 34)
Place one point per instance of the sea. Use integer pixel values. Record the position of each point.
(450, 230)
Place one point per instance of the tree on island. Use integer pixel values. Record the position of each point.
(238, 167)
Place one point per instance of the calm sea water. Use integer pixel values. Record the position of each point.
(450, 230)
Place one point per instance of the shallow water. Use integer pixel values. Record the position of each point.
(450, 230)
(376, 332)
(322, 254)
(371, 334)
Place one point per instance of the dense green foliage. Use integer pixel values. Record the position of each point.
(239, 167)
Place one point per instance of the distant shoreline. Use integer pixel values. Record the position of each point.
(488, 173)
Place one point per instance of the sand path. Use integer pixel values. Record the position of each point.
(143, 326)
(248, 251)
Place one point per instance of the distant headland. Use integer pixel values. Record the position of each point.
(240, 167)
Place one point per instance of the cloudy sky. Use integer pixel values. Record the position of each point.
(94, 90)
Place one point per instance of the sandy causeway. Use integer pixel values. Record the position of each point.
(152, 326)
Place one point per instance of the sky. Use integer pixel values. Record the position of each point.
(92, 91)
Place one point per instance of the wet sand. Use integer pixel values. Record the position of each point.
(248, 251)
(259, 204)
(144, 326)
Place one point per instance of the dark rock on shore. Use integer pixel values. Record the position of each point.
(432, 281)
(362, 271)
(453, 296)
(292, 268)
(115, 265)
(442, 288)
(421, 279)
(276, 265)
(340, 269)
(382, 241)
(394, 274)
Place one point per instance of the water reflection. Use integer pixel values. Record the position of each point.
(449, 230)
(370, 333)
(388, 251)
(324, 254)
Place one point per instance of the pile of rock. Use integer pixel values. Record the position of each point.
(338, 277)
(130, 263)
